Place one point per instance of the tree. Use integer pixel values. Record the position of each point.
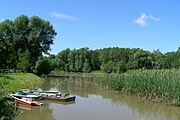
(86, 66)
(143, 59)
(115, 60)
(62, 60)
(24, 61)
(178, 50)
(172, 59)
(95, 62)
(157, 62)
(77, 62)
(6, 44)
(120, 67)
(43, 66)
(33, 34)
(71, 60)
(108, 67)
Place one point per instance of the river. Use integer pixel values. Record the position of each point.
(94, 102)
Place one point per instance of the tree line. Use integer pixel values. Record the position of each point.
(112, 60)
(23, 41)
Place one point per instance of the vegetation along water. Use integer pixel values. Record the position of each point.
(12, 82)
(96, 102)
(25, 41)
(158, 85)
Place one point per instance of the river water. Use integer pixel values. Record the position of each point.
(94, 102)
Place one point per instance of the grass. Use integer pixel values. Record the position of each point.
(150, 84)
(11, 82)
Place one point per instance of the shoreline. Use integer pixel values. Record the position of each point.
(11, 82)
(152, 85)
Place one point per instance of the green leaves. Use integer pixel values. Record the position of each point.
(43, 66)
(114, 60)
(31, 34)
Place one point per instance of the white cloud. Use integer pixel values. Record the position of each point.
(155, 19)
(142, 20)
(63, 16)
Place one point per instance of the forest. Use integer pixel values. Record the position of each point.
(113, 60)
(25, 40)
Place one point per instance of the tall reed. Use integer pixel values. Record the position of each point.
(153, 84)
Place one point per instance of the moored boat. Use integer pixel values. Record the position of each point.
(53, 92)
(28, 94)
(59, 97)
(26, 101)
(46, 95)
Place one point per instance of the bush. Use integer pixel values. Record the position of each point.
(43, 66)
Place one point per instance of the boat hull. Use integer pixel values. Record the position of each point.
(25, 101)
(62, 99)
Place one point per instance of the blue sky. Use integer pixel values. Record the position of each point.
(146, 24)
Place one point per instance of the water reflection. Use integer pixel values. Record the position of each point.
(59, 102)
(94, 102)
(36, 113)
(79, 86)
(85, 87)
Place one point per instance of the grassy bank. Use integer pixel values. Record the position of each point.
(163, 85)
(11, 82)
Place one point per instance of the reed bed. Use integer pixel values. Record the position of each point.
(151, 84)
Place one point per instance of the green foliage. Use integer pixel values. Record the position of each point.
(6, 37)
(71, 60)
(95, 61)
(108, 67)
(62, 60)
(151, 83)
(143, 59)
(114, 60)
(8, 110)
(12, 82)
(120, 67)
(86, 66)
(178, 50)
(23, 41)
(173, 59)
(43, 66)
(24, 61)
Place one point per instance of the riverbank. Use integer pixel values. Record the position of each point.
(11, 82)
(156, 85)
(98, 103)
(153, 85)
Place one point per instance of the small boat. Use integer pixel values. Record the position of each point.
(28, 94)
(58, 97)
(26, 101)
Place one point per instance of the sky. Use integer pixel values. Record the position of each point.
(145, 24)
